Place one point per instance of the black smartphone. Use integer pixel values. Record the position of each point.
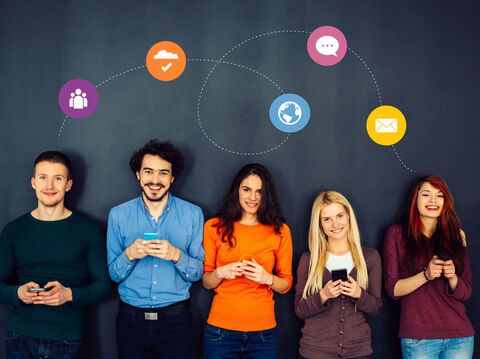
(339, 274)
(444, 255)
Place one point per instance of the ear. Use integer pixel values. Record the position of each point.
(171, 181)
(32, 181)
(69, 185)
(138, 175)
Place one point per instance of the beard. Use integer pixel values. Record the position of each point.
(154, 199)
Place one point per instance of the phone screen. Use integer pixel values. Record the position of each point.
(148, 236)
(339, 274)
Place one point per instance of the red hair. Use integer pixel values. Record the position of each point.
(448, 226)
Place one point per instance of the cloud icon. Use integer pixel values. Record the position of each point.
(165, 55)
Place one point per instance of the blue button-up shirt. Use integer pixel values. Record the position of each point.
(153, 282)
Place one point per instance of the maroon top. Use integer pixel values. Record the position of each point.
(432, 311)
(338, 328)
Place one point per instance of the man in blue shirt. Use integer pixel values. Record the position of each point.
(155, 275)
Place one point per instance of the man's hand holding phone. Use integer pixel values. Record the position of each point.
(54, 294)
(26, 292)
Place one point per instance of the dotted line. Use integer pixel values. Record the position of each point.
(120, 74)
(370, 72)
(380, 100)
(404, 165)
(100, 84)
(199, 100)
(241, 66)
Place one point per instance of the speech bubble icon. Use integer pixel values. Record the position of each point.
(327, 45)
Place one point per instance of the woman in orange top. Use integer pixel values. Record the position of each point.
(248, 255)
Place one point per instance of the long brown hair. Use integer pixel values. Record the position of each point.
(448, 231)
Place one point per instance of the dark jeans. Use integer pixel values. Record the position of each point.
(169, 336)
(24, 347)
(232, 344)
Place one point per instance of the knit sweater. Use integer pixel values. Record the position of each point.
(337, 328)
(432, 311)
(70, 251)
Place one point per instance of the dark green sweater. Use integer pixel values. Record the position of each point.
(71, 251)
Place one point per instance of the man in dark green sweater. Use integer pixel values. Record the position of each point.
(52, 263)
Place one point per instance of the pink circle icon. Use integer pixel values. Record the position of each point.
(327, 45)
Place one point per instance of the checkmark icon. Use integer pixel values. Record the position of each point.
(166, 67)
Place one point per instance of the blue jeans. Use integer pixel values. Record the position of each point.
(19, 346)
(231, 344)
(449, 348)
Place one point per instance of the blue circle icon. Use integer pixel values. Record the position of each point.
(289, 113)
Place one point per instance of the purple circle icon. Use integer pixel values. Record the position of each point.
(327, 45)
(78, 98)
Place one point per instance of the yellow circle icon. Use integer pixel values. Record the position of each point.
(386, 125)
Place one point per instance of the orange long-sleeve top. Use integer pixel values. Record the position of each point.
(242, 304)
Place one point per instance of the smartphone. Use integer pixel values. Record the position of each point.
(339, 274)
(247, 257)
(37, 290)
(148, 235)
(444, 255)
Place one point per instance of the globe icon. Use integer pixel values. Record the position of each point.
(289, 113)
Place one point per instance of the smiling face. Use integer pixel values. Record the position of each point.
(250, 194)
(155, 177)
(430, 201)
(50, 182)
(335, 221)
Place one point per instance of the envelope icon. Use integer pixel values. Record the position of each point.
(386, 125)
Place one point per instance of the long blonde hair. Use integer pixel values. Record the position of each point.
(318, 244)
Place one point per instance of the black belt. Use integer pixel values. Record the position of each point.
(155, 313)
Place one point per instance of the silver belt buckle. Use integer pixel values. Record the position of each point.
(151, 316)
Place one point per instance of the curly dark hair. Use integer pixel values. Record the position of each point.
(164, 150)
(269, 212)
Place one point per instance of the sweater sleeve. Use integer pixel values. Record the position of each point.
(464, 286)
(370, 300)
(391, 259)
(305, 308)
(99, 285)
(283, 264)
(8, 292)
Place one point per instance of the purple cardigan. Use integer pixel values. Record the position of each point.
(432, 311)
(338, 327)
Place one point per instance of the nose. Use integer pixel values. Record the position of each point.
(334, 223)
(50, 183)
(252, 196)
(156, 177)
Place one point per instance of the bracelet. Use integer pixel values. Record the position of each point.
(425, 275)
(273, 281)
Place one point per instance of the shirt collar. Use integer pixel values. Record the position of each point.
(144, 207)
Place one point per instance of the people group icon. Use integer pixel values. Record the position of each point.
(78, 100)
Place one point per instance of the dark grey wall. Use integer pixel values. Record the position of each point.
(423, 54)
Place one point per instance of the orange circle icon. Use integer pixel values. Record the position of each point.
(166, 61)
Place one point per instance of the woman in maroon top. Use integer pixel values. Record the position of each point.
(426, 265)
(334, 309)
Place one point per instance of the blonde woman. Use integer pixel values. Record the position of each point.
(339, 281)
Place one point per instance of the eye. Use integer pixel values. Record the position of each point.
(440, 195)
(164, 173)
(59, 178)
(41, 177)
(147, 172)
